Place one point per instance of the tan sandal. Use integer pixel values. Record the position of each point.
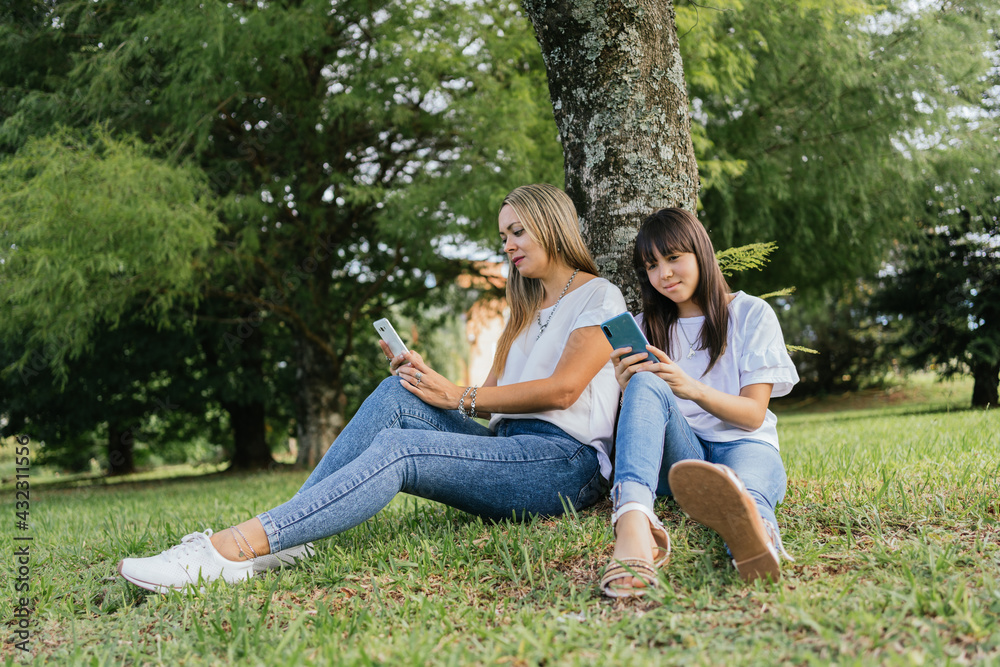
(628, 568)
(637, 567)
(713, 495)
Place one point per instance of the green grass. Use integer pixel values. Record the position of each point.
(891, 515)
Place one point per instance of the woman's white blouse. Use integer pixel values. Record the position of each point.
(591, 420)
(755, 354)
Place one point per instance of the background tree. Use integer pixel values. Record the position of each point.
(816, 125)
(327, 137)
(91, 227)
(942, 295)
(121, 403)
(815, 121)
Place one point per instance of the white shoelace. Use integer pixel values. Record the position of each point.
(189, 543)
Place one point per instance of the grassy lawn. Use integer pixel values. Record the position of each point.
(891, 514)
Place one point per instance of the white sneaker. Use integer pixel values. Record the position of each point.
(195, 560)
(282, 558)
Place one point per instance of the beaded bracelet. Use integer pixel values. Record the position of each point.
(461, 402)
(472, 410)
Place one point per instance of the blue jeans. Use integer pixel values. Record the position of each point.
(653, 435)
(396, 442)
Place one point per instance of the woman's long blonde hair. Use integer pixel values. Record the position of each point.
(549, 217)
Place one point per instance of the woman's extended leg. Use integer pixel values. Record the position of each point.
(390, 406)
(529, 466)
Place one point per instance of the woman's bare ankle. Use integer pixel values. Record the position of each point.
(243, 542)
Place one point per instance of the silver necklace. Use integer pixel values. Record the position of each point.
(554, 307)
(687, 340)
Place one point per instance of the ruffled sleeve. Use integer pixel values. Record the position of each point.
(764, 359)
(604, 303)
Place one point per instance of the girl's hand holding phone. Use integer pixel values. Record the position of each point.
(682, 384)
(627, 363)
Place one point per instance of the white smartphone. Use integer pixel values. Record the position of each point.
(389, 335)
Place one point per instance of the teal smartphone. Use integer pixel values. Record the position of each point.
(622, 331)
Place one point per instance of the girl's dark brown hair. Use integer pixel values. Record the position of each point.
(671, 231)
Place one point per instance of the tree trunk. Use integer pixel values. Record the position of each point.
(621, 105)
(120, 459)
(250, 450)
(987, 382)
(320, 406)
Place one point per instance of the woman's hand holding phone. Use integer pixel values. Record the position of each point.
(394, 361)
(425, 383)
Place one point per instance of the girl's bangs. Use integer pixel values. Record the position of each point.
(658, 236)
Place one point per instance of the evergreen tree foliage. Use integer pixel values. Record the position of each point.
(852, 351)
(89, 226)
(941, 297)
(814, 122)
(752, 256)
(344, 144)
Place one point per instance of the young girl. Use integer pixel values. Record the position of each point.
(552, 395)
(700, 412)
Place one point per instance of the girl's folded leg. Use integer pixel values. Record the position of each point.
(652, 433)
(760, 468)
(735, 493)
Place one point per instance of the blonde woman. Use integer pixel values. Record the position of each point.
(550, 397)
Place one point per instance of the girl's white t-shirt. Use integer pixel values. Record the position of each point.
(755, 354)
(591, 419)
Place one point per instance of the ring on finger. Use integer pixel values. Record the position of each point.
(419, 376)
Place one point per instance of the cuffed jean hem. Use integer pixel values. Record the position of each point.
(628, 491)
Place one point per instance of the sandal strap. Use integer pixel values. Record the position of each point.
(630, 506)
(772, 532)
(628, 567)
(661, 538)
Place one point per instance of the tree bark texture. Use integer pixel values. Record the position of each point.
(250, 451)
(620, 101)
(985, 386)
(320, 406)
